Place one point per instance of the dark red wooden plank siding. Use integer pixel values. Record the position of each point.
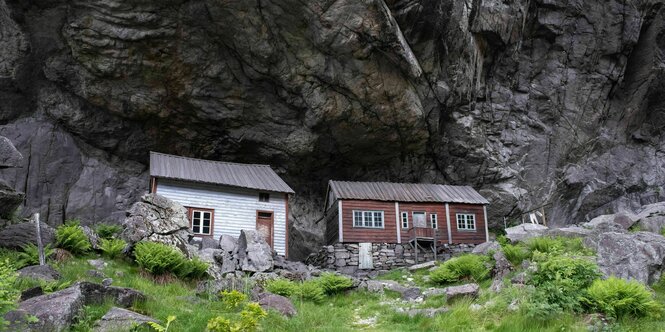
(462, 236)
(388, 234)
(428, 208)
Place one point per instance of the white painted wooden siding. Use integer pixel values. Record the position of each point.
(235, 208)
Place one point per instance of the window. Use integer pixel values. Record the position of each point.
(433, 220)
(466, 221)
(264, 197)
(405, 220)
(370, 219)
(201, 221)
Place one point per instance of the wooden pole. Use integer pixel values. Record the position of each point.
(40, 245)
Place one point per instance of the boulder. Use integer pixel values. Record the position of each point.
(454, 292)
(411, 294)
(118, 319)
(638, 256)
(524, 232)
(278, 303)
(209, 256)
(292, 270)
(98, 264)
(227, 256)
(434, 292)
(485, 248)
(39, 272)
(571, 231)
(254, 254)
(625, 219)
(31, 292)
(380, 285)
(10, 200)
(18, 235)
(651, 218)
(502, 265)
(158, 219)
(92, 237)
(421, 266)
(208, 242)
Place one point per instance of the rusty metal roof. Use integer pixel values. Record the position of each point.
(253, 176)
(405, 192)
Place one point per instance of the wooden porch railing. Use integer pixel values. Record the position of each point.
(425, 234)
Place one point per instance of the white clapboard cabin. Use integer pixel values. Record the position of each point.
(224, 198)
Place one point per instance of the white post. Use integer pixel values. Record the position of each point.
(340, 220)
(399, 227)
(487, 234)
(450, 237)
(40, 246)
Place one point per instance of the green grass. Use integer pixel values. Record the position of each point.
(347, 311)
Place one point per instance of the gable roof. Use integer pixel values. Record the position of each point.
(253, 176)
(405, 192)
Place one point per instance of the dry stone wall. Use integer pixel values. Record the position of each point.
(345, 257)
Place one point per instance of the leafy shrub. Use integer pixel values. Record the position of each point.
(463, 267)
(192, 268)
(232, 299)
(310, 291)
(544, 244)
(562, 280)
(158, 258)
(11, 256)
(71, 237)
(332, 283)
(162, 328)
(30, 255)
(8, 292)
(107, 231)
(250, 317)
(219, 324)
(112, 248)
(281, 286)
(617, 298)
(516, 254)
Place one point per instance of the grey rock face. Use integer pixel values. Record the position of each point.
(254, 254)
(215, 270)
(39, 272)
(652, 217)
(18, 235)
(532, 102)
(278, 303)
(9, 200)
(119, 319)
(9, 156)
(157, 219)
(486, 247)
(639, 256)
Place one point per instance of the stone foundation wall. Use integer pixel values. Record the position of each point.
(344, 257)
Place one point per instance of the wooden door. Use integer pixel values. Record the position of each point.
(264, 225)
(365, 256)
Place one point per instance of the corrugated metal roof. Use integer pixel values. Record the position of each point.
(253, 176)
(405, 192)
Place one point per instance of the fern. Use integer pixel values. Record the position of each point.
(30, 254)
(107, 231)
(8, 292)
(158, 258)
(112, 248)
(71, 237)
(159, 328)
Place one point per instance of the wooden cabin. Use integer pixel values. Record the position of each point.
(382, 212)
(224, 198)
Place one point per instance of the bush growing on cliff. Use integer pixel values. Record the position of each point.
(465, 267)
(107, 231)
(71, 237)
(160, 259)
(112, 248)
(618, 298)
(561, 281)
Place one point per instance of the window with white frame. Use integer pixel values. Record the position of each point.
(370, 219)
(201, 222)
(434, 221)
(466, 221)
(405, 220)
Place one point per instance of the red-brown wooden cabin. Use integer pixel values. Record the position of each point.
(383, 212)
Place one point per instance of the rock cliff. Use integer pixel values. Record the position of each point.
(534, 102)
